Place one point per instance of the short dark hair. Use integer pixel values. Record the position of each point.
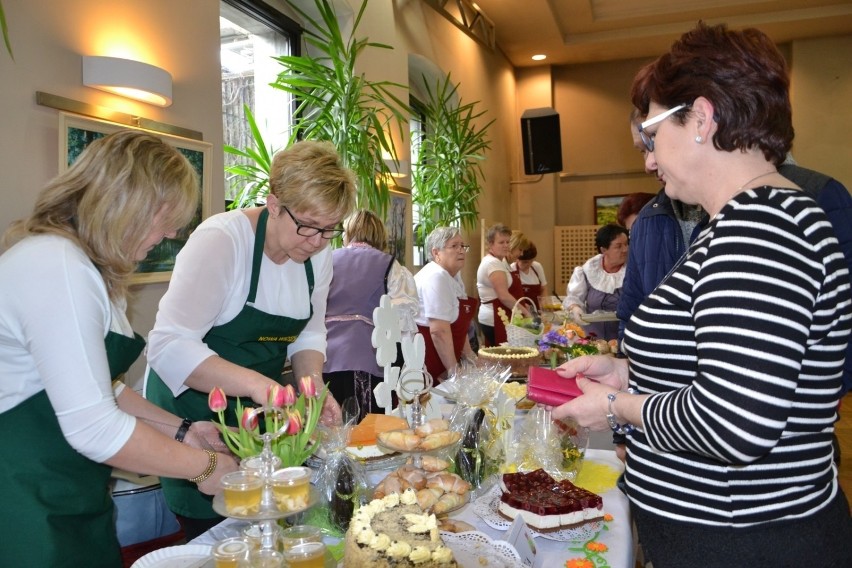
(741, 72)
(607, 234)
(529, 253)
(632, 205)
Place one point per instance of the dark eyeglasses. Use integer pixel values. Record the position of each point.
(308, 231)
(465, 248)
(648, 139)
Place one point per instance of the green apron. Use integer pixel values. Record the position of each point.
(253, 339)
(62, 512)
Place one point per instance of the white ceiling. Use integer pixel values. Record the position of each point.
(582, 31)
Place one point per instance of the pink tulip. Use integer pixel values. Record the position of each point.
(275, 396)
(249, 419)
(289, 395)
(294, 422)
(307, 387)
(217, 401)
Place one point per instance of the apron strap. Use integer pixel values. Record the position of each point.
(257, 258)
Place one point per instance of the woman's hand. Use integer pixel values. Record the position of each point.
(331, 414)
(597, 376)
(205, 436)
(600, 368)
(224, 464)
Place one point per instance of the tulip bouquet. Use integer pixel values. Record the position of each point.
(294, 417)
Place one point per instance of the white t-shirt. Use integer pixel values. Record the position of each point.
(439, 294)
(534, 276)
(54, 316)
(486, 291)
(209, 287)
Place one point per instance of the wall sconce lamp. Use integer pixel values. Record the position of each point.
(128, 78)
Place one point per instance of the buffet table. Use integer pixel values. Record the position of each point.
(606, 543)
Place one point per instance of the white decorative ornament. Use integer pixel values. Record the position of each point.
(386, 333)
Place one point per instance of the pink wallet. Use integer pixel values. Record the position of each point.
(546, 386)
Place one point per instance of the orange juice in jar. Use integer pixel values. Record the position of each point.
(291, 488)
(307, 555)
(243, 492)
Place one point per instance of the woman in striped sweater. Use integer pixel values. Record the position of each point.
(734, 362)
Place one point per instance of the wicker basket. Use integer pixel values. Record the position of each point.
(519, 336)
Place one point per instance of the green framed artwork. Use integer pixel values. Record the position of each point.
(606, 208)
(76, 132)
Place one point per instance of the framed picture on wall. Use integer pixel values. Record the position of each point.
(606, 208)
(398, 224)
(76, 132)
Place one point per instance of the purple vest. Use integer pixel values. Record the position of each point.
(597, 300)
(359, 281)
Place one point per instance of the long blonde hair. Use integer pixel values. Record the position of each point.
(106, 201)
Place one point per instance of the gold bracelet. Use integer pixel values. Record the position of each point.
(211, 467)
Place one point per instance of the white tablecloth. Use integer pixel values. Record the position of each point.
(614, 545)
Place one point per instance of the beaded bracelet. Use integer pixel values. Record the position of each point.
(211, 467)
(621, 429)
(183, 429)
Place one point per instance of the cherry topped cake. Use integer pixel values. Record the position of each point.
(545, 503)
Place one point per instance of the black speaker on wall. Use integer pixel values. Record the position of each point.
(542, 141)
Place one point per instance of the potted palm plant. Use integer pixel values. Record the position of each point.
(338, 105)
(448, 169)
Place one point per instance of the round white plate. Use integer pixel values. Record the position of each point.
(181, 556)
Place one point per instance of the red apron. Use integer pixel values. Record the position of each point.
(459, 329)
(531, 291)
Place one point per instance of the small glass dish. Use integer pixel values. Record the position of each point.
(242, 492)
(291, 488)
(300, 534)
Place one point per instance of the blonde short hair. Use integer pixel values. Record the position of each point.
(309, 177)
(518, 241)
(106, 201)
(364, 226)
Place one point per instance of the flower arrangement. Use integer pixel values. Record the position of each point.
(570, 341)
(295, 417)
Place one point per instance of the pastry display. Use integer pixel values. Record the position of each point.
(545, 503)
(395, 531)
(518, 358)
(435, 434)
(364, 434)
(436, 491)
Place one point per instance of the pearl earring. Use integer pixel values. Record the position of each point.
(699, 139)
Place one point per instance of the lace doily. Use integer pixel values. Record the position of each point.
(477, 549)
(486, 508)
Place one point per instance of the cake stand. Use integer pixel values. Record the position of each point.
(266, 463)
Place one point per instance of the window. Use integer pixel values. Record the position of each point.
(251, 33)
(417, 130)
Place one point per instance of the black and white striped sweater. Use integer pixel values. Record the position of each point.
(742, 348)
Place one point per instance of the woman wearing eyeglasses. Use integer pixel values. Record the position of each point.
(249, 291)
(734, 364)
(363, 273)
(445, 309)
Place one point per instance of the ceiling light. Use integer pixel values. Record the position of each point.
(539, 57)
(128, 78)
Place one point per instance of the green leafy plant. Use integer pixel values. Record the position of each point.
(250, 178)
(5, 30)
(338, 105)
(448, 170)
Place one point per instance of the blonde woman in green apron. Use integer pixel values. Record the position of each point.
(248, 291)
(64, 336)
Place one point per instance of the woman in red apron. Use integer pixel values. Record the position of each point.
(495, 285)
(445, 310)
(530, 273)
